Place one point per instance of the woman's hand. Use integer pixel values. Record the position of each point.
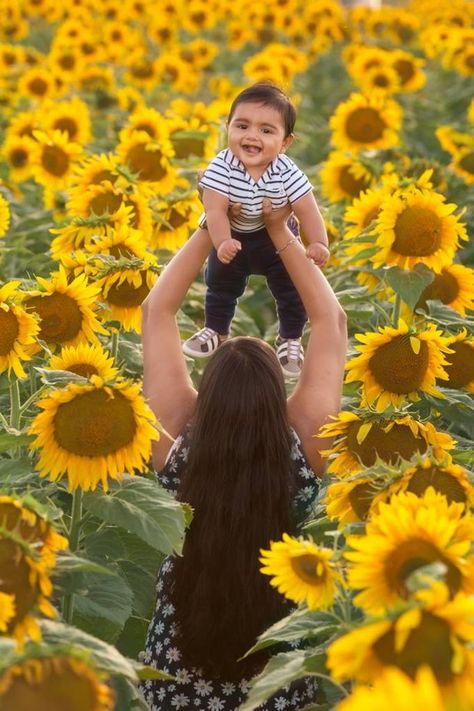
(277, 217)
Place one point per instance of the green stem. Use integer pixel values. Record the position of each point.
(396, 310)
(32, 373)
(74, 535)
(114, 345)
(15, 413)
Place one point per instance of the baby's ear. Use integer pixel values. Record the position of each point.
(287, 142)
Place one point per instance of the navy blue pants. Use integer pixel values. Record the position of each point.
(227, 282)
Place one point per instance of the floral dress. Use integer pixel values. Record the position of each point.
(191, 689)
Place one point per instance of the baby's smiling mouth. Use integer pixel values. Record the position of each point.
(251, 149)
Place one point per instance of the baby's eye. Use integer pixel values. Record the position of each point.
(241, 125)
(267, 130)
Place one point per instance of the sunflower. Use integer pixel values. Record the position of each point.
(4, 216)
(150, 160)
(350, 501)
(363, 440)
(460, 368)
(453, 141)
(434, 634)
(363, 211)
(173, 223)
(470, 111)
(18, 331)
(67, 309)
(384, 78)
(446, 478)
(92, 432)
(71, 117)
(199, 16)
(366, 122)
(397, 364)
(54, 158)
(18, 153)
(453, 286)
(94, 170)
(124, 241)
(175, 72)
(463, 164)
(125, 287)
(85, 359)
(148, 120)
(404, 693)
(54, 682)
(404, 535)
(191, 138)
(409, 70)
(28, 547)
(344, 177)
(417, 227)
(301, 571)
(38, 84)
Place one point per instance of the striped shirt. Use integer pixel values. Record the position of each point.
(282, 182)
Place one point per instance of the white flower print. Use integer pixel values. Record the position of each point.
(173, 654)
(215, 704)
(203, 687)
(159, 627)
(179, 701)
(228, 688)
(183, 676)
(147, 656)
(161, 694)
(281, 703)
(244, 686)
(168, 610)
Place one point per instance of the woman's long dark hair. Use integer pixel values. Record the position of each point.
(238, 480)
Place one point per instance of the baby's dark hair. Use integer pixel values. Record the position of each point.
(268, 94)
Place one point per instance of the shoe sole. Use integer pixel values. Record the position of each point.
(193, 354)
(290, 374)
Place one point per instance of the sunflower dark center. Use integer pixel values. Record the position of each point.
(126, 295)
(429, 643)
(306, 568)
(397, 368)
(95, 424)
(55, 161)
(361, 497)
(146, 163)
(148, 128)
(412, 555)
(103, 175)
(56, 688)
(380, 79)
(350, 184)
(9, 330)
(38, 86)
(417, 232)
(469, 61)
(11, 518)
(68, 125)
(365, 125)
(142, 71)
(185, 147)
(389, 446)
(441, 480)
(61, 317)
(18, 157)
(405, 70)
(15, 576)
(84, 369)
(67, 62)
(176, 219)
(461, 365)
(107, 202)
(444, 287)
(371, 215)
(467, 162)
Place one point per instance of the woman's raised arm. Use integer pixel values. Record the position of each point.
(317, 394)
(166, 382)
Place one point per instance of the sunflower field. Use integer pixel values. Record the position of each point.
(108, 111)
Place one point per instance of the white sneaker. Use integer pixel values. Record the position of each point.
(290, 355)
(203, 343)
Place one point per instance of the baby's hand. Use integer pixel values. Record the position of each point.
(318, 252)
(228, 249)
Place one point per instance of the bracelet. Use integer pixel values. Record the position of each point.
(290, 241)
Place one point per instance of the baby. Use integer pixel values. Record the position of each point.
(253, 167)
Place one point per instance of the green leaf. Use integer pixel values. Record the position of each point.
(142, 584)
(106, 597)
(280, 671)
(69, 563)
(104, 656)
(105, 545)
(16, 473)
(300, 624)
(145, 672)
(409, 285)
(142, 507)
(9, 440)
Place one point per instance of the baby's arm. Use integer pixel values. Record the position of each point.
(307, 212)
(216, 207)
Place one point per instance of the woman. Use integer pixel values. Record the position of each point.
(247, 461)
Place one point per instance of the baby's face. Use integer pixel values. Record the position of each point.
(256, 135)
